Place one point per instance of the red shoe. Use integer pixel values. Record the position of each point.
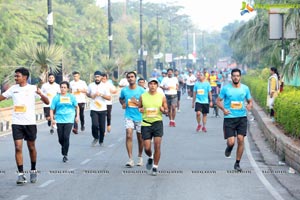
(198, 128)
(170, 124)
(174, 124)
(204, 129)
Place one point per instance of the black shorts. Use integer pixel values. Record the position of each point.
(235, 126)
(26, 132)
(47, 111)
(190, 88)
(155, 130)
(178, 95)
(202, 107)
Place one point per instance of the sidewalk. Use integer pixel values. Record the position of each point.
(286, 148)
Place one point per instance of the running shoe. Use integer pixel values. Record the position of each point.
(82, 128)
(130, 163)
(237, 167)
(204, 129)
(149, 163)
(140, 161)
(198, 128)
(227, 152)
(51, 131)
(65, 159)
(33, 176)
(21, 179)
(179, 110)
(170, 123)
(94, 142)
(174, 124)
(101, 144)
(154, 171)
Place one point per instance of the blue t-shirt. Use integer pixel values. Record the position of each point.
(220, 76)
(234, 100)
(132, 112)
(202, 89)
(64, 107)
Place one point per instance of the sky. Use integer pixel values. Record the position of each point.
(209, 15)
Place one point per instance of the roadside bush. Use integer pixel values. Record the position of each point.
(287, 104)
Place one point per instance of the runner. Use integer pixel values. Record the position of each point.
(24, 121)
(112, 89)
(66, 109)
(129, 99)
(190, 82)
(203, 98)
(99, 94)
(152, 105)
(170, 86)
(79, 88)
(176, 75)
(235, 114)
(50, 89)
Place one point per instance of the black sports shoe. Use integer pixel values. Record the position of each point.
(154, 171)
(228, 152)
(149, 163)
(51, 131)
(65, 159)
(82, 128)
(237, 167)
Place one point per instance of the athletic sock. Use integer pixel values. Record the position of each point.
(237, 161)
(33, 164)
(20, 169)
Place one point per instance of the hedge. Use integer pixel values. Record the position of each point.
(286, 106)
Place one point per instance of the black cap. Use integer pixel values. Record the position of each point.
(97, 73)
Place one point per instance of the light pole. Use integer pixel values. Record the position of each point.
(50, 22)
(141, 63)
(110, 37)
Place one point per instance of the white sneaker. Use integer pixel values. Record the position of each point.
(140, 161)
(130, 163)
(178, 110)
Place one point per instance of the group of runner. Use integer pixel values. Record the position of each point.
(144, 107)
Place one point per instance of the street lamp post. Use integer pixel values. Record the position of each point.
(50, 22)
(141, 63)
(110, 37)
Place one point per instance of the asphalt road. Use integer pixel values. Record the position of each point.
(192, 166)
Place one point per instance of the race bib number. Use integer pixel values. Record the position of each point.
(132, 104)
(49, 95)
(151, 112)
(200, 91)
(77, 93)
(98, 104)
(172, 88)
(65, 100)
(237, 105)
(20, 109)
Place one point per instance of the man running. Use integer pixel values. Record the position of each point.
(235, 114)
(170, 86)
(79, 89)
(152, 105)
(50, 89)
(24, 121)
(203, 98)
(129, 99)
(112, 89)
(99, 94)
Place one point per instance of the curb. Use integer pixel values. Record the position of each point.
(285, 147)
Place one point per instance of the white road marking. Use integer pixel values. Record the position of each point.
(85, 161)
(259, 173)
(46, 183)
(99, 153)
(22, 197)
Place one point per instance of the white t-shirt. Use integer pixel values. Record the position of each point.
(75, 85)
(171, 83)
(50, 90)
(123, 82)
(110, 87)
(99, 103)
(190, 80)
(24, 103)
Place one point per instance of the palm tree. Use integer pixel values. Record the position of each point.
(40, 58)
